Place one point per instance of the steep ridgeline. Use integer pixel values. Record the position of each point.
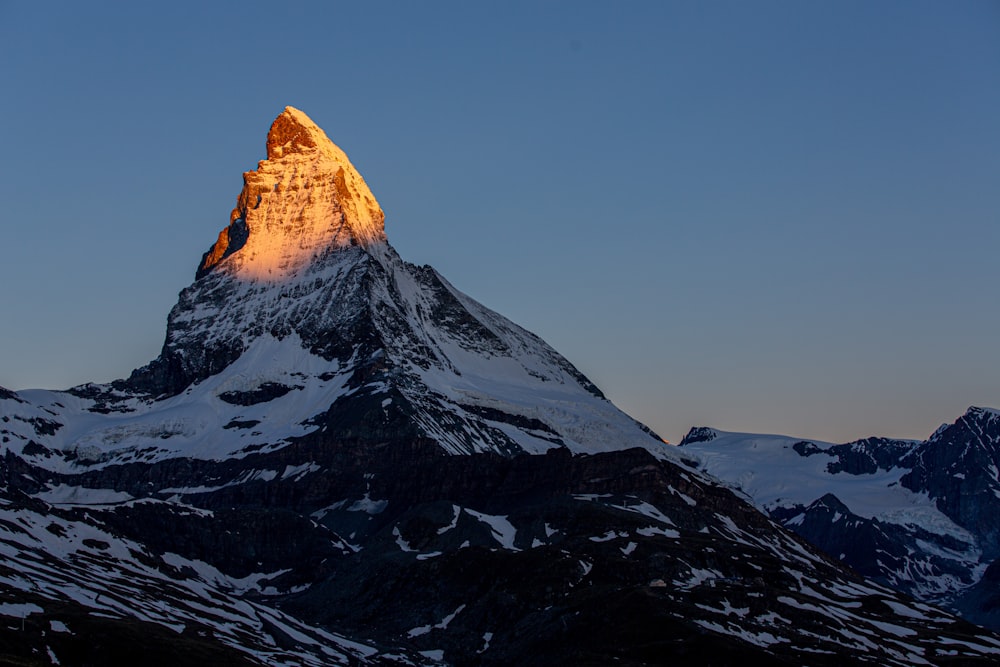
(339, 459)
(923, 517)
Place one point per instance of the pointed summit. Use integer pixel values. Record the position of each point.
(293, 132)
(305, 199)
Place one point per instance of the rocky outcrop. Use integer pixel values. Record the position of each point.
(958, 467)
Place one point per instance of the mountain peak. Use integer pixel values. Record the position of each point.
(293, 132)
(305, 199)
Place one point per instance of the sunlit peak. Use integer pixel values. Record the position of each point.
(306, 197)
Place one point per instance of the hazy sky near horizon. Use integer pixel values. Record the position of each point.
(769, 216)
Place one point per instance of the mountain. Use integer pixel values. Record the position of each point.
(340, 459)
(303, 317)
(920, 516)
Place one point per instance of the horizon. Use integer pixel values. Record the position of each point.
(770, 219)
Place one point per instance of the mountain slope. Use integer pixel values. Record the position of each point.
(919, 516)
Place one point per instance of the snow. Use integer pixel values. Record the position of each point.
(976, 646)
(64, 494)
(757, 638)
(403, 544)
(418, 631)
(522, 377)
(299, 471)
(905, 610)
(19, 610)
(435, 655)
(892, 628)
(454, 520)
(58, 626)
(368, 506)
(773, 474)
(501, 529)
(191, 423)
(606, 537)
(697, 577)
(449, 618)
(649, 531)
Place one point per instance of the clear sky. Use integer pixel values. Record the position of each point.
(760, 216)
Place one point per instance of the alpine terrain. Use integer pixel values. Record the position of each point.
(922, 517)
(340, 459)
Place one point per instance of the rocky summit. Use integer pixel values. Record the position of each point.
(340, 459)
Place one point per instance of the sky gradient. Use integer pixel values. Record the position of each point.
(774, 217)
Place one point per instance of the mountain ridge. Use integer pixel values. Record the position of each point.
(920, 516)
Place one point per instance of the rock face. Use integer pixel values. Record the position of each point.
(923, 517)
(339, 458)
(304, 199)
(958, 467)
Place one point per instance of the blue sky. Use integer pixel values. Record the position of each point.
(769, 216)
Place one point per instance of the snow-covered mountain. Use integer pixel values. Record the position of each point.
(338, 458)
(921, 516)
(302, 313)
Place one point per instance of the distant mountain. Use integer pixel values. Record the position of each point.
(340, 459)
(922, 517)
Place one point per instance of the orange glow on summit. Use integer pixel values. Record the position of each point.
(304, 199)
